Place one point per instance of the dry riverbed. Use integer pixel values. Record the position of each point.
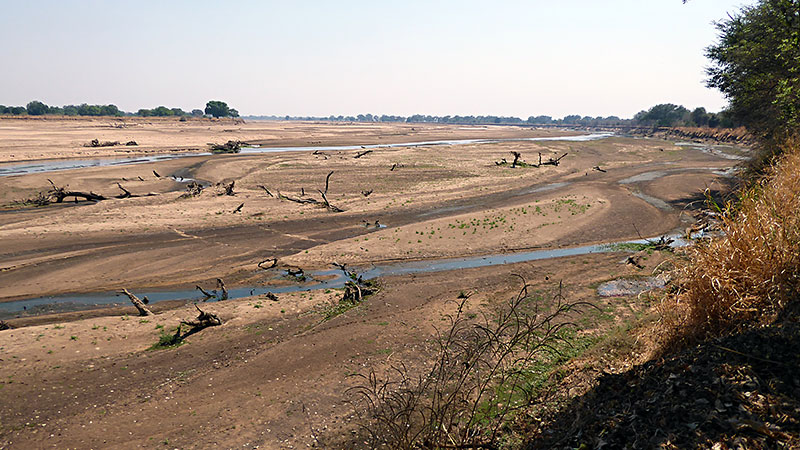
(275, 370)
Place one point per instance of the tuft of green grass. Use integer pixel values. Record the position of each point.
(168, 339)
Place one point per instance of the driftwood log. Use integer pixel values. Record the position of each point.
(295, 272)
(125, 193)
(60, 193)
(226, 188)
(140, 305)
(221, 292)
(311, 201)
(298, 200)
(355, 288)
(193, 189)
(57, 194)
(203, 320)
(273, 262)
(97, 143)
(204, 292)
(550, 161)
(265, 190)
(228, 147)
(221, 288)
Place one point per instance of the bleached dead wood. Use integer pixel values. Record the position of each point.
(140, 305)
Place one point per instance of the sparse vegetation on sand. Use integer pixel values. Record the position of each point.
(482, 372)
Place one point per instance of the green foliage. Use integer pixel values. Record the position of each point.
(756, 64)
(36, 108)
(110, 110)
(16, 110)
(167, 339)
(217, 108)
(161, 111)
(664, 115)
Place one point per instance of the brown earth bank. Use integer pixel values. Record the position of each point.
(697, 134)
(274, 374)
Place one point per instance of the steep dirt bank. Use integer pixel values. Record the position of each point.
(697, 134)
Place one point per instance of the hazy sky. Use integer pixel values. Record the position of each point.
(520, 58)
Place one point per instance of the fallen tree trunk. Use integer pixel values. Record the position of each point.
(551, 161)
(203, 320)
(140, 305)
(97, 143)
(125, 193)
(265, 190)
(60, 193)
(299, 200)
(204, 292)
(312, 201)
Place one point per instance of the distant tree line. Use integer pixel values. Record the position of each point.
(214, 108)
(664, 115)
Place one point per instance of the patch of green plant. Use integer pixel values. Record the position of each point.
(627, 247)
(168, 339)
(538, 374)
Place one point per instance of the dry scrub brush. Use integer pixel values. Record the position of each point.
(480, 373)
(750, 273)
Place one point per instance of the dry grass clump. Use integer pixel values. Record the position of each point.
(751, 273)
